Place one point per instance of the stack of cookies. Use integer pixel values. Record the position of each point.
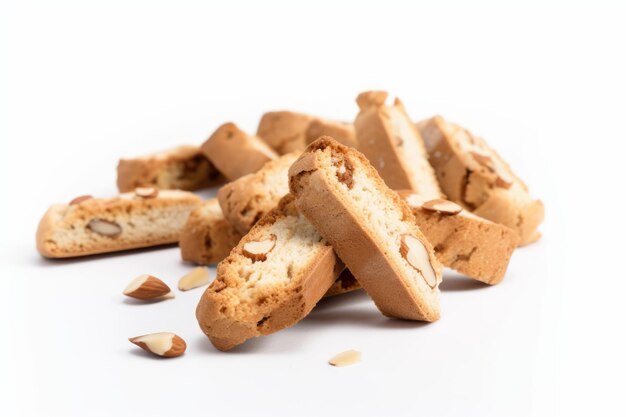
(310, 207)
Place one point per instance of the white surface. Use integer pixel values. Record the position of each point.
(83, 85)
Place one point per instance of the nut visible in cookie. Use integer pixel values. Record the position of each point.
(146, 192)
(344, 172)
(148, 287)
(503, 179)
(257, 251)
(417, 256)
(349, 357)
(196, 278)
(164, 344)
(80, 199)
(442, 206)
(104, 227)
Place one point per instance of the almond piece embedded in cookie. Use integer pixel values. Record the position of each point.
(196, 278)
(349, 357)
(146, 192)
(417, 256)
(80, 199)
(148, 287)
(442, 206)
(257, 251)
(104, 227)
(164, 344)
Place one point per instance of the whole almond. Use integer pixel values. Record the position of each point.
(416, 254)
(164, 344)
(148, 287)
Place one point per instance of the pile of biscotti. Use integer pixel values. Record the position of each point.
(309, 208)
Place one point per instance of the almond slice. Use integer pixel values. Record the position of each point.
(196, 278)
(80, 199)
(442, 206)
(416, 254)
(148, 287)
(104, 227)
(349, 357)
(258, 250)
(146, 192)
(164, 344)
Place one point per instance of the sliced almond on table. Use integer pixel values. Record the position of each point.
(196, 278)
(164, 344)
(104, 227)
(80, 199)
(442, 206)
(417, 256)
(258, 250)
(146, 192)
(148, 287)
(349, 357)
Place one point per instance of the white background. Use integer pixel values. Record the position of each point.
(83, 84)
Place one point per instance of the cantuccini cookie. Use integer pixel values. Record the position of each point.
(86, 226)
(236, 153)
(271, 279)
(284, 131)
(476, 247)
(388, 138)
(247, 199)
(342, 132)
(207, 236)
(181, 168)
(476, 177)
(370, 227)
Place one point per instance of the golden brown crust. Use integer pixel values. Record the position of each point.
(475, 247)
(345, 283)
(66, 231)
(235, 153)
(388, 138)
(181, 168)
(490, 190)
(249, 299)
(284, 131)
(322, 196)
(207, 237)
(247, 199)
(342, 132)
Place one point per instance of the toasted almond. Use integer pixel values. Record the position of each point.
(80, 199)
(258, 250)
(146, 192)
(349, 357)
(196, 278)
(442, 206)
(411, 198)
(164, 344)
(148, 287)
(104, 227)
(416, 254)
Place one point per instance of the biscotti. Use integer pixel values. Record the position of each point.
(370, 227)
(474, 176)
(388, 138)
(181, 168)
(284, 131)
(340, 131)
(475, 247)
(271, 280)
(344, 284)
(247, 199)
(86, 226)
(207, 237)
(236, 153)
